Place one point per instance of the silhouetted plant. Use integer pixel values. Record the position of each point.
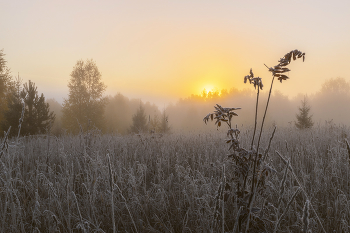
(257, 82)
(251, 169)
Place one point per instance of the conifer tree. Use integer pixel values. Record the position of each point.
(37, 116)
(304, 120)
(164, 123)
(139, 121)
(13, 108)
(154, 123)
(5, 85)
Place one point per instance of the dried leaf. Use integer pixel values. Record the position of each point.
(283, 77)
(283, 63)
(297, 52)
(261, 85)
(285, 69)
(277, 71)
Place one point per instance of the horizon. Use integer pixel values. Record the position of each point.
(163, 51)
(178, 116)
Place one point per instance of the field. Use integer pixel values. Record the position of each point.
(169, 183)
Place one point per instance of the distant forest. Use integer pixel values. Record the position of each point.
(118, 114)
(330, 105)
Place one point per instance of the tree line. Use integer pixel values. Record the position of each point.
(86, 107)
(28, 113)
(328, 105)
(22, 108)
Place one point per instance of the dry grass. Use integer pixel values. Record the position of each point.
(180, 183)
(168, 184)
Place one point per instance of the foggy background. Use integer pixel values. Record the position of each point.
(330, 105)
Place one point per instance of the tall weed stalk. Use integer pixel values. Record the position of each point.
(251, 170)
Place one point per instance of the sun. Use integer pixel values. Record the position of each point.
(208, 88)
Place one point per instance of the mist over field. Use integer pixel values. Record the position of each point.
(327, 106)
(174, 116)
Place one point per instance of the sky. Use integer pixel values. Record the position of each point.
(161, 50)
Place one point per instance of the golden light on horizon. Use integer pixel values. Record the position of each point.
(172, 49)
(209, 88)
(210, 70)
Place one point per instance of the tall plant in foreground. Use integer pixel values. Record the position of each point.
(250, 167)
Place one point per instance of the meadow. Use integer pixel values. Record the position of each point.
(95, 182)
(234, 179)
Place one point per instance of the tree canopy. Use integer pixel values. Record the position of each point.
(5, 84)
(37, 117)
(139, 121)
(336, 85)
(85, 104)
(164, 123)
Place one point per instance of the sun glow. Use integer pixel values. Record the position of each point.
(208, 88)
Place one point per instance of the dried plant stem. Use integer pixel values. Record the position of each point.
(287, 207)
(282, 62)
(267, 105)
(348, 148)
(237, 219)
(250, 208)
(223, 200)
(4, 142)
(21, 120)
(301, 187)
(217, 204)
(265, 155)
(111, 186)
(132, 219)
(281, 193)
(268, 147)
(251, 201)
(305, 218)
(282, 185)
(256, 117)
(81, 218)
(68, 209)
(254, 186)
(48, 141)
(120, 192)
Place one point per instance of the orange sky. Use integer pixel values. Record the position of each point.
(163, 50)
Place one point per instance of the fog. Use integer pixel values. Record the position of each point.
(330, 105)
(120, 109)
